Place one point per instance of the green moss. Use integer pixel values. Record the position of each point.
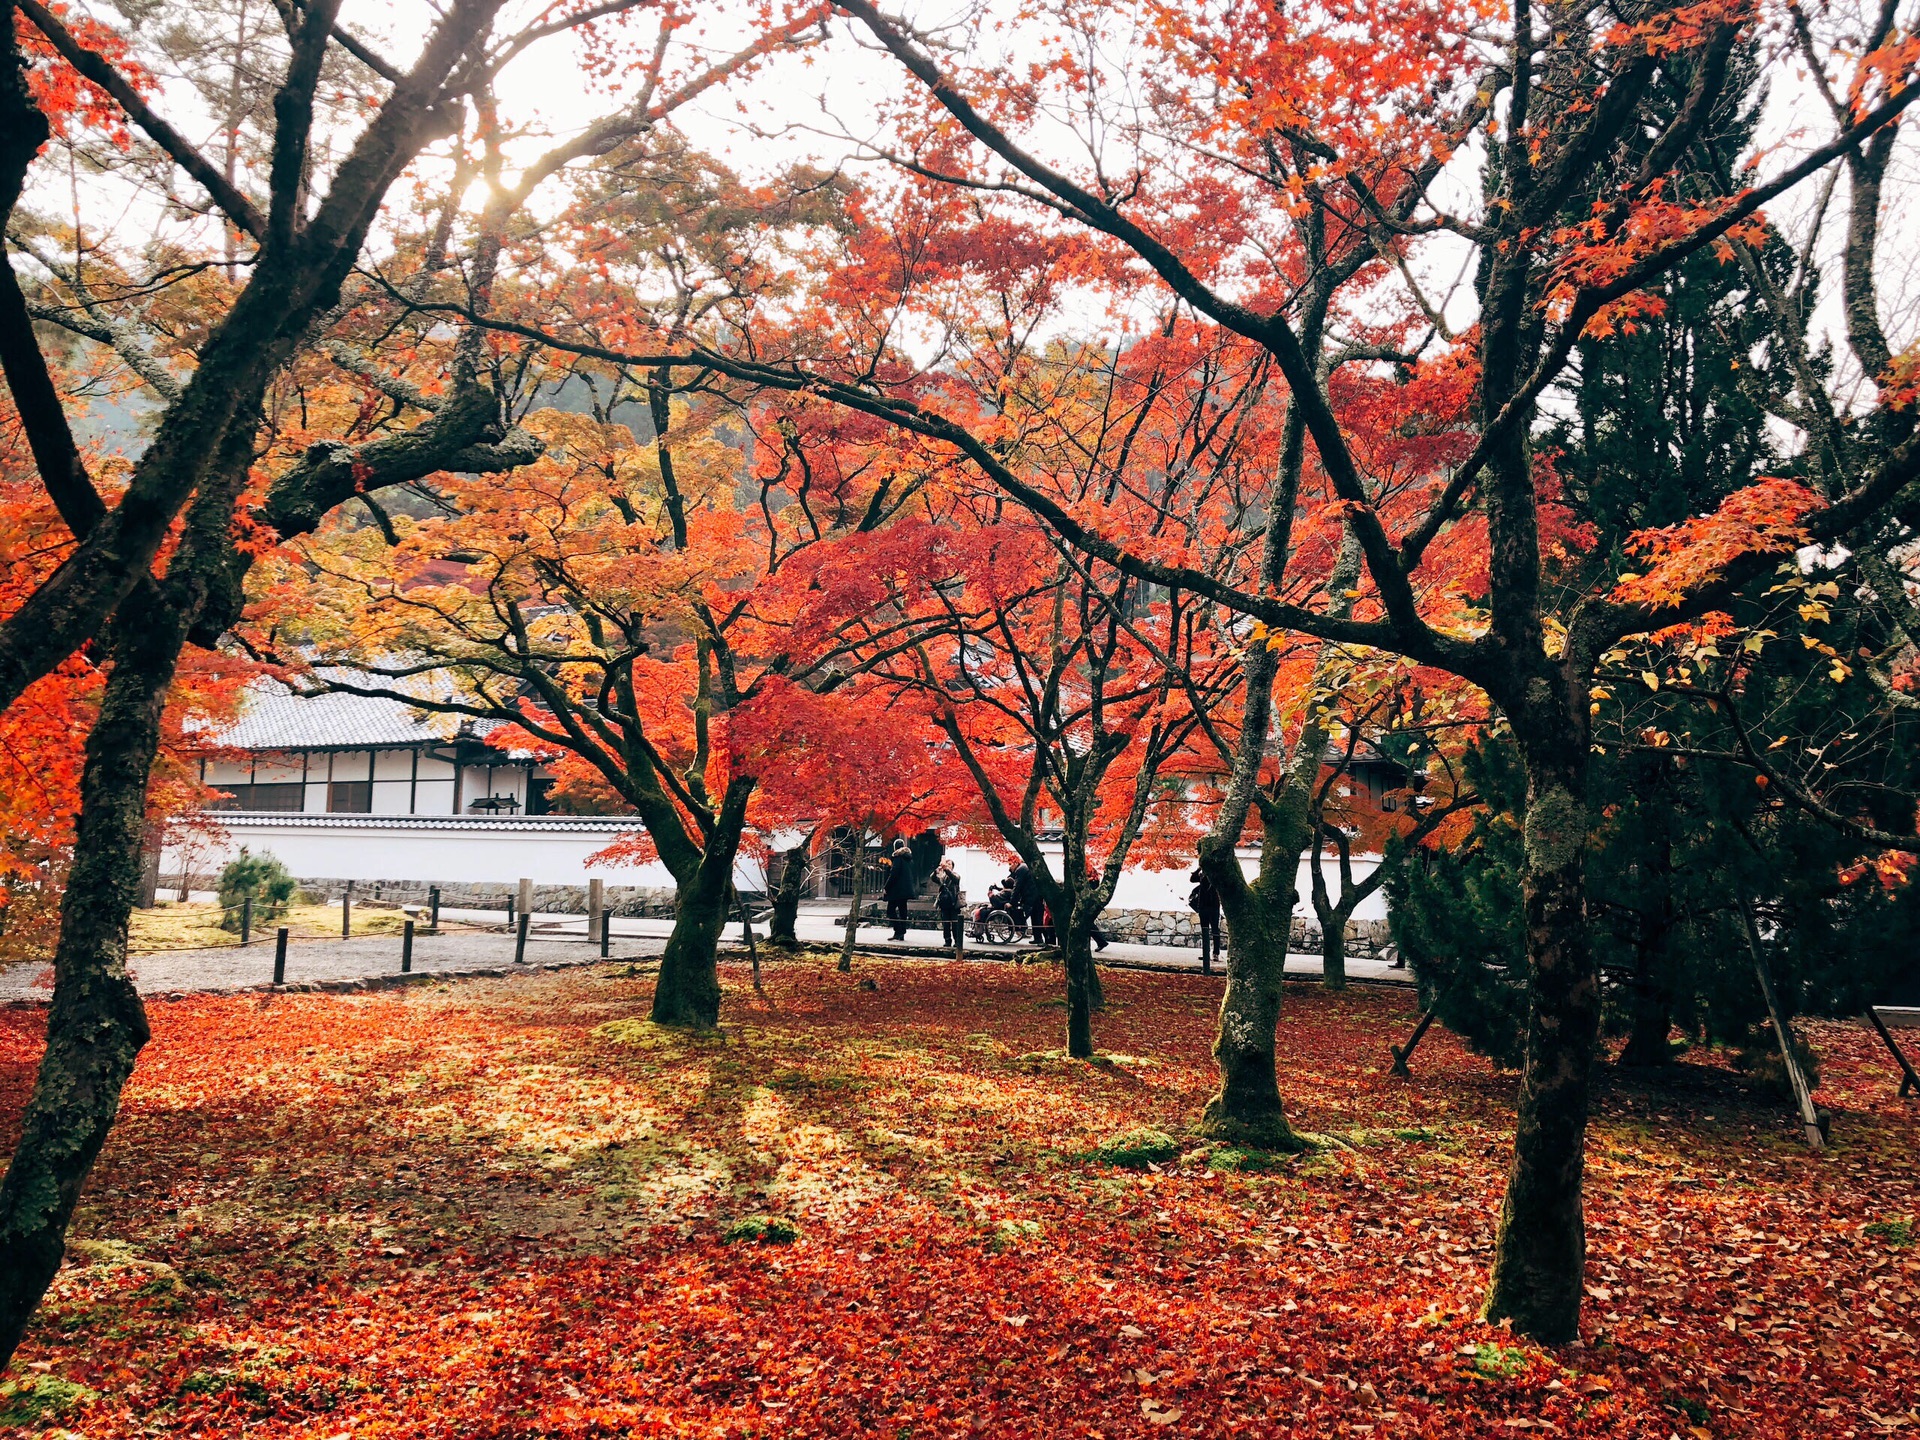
(1138, 1148)
(762, 1229)
(1236, 1159)
(1498, 1362)
(1012, 1234)
(1556, 829)
(35, 1399)
(1897, 1232)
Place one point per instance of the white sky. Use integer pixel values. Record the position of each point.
(779, 116)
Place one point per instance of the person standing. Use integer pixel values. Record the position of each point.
(946, 899)
(899, 888)
(1205, 902)
(1025, 896)
(1099, 935)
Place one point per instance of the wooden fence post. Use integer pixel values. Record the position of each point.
(280, 957)
(406, 948)
(520, 940)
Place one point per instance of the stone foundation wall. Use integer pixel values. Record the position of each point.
(1366, 939)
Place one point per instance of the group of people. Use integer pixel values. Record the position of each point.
(1019, 895)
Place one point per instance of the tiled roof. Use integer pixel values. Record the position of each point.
(273, 717)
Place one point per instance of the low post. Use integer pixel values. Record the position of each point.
(606, 935)
(433, 900)
(246, 918)
(596, 907)
(1909, 1080)
(346, 911)
(520, 941)
(406, 948)
(1783, 1031)
(280, 957)
(509, 912)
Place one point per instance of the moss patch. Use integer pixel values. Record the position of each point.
(1137, 1148)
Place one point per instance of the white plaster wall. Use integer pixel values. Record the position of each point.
(470, 851)
(1159, 889)
(554, 851)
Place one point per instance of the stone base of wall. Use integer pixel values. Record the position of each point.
(1366, 939)
(1152, 927)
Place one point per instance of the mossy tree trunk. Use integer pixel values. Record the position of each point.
(787, 895)
(96, 1025)
(1076, 949)
(1540, 1248)
(851, 926)
(688, 992)
(1247, 1107)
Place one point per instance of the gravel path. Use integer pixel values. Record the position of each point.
(311, 962)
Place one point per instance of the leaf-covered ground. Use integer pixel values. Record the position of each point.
(516, 1209)
(195, 925)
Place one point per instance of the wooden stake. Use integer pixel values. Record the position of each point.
(1402, 1053)
(1909, 1081)
(1783, 1031)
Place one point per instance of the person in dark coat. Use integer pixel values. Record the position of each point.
(1025, 895)
(946, 899)
(899, 888)
(1099, 935)
(1205, 903)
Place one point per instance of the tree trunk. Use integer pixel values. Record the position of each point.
(688, 992)
(1247, 1107)
(689, 989)
(786, 899)
(1652, 989)
(1652, 1017)
(845, 966)
(1332, 916)
(1076, 948)
(1333, 951)
(1540, 1252)
(96, 1025)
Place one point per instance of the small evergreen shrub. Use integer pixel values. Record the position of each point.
(259, 877)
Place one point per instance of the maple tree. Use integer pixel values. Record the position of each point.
(1415, 724)
(1541, 284)
(853, 762)
(630, 605)
(156, 558)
